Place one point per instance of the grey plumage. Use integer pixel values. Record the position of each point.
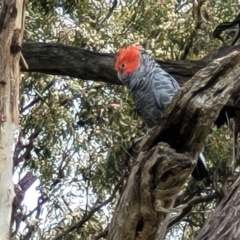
(151, 89)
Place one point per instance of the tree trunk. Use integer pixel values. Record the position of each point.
(11, 33)
(224, 222)
(167, 156)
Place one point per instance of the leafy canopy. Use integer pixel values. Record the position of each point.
(78, 134)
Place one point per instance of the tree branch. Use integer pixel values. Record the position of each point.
(58, 59)
(109, 14)
(197, 25)
(91, 212)
(101, 235)
(186, 210)
(38, 98)
(24, 184)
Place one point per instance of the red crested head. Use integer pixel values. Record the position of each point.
(127, 60)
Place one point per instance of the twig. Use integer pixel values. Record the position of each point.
(90, 214)
(24, 184)
(37, 99)
(19, 147)
(101, 235)
(109, 14)
(37, 208)
(198, 22)
(189, 206)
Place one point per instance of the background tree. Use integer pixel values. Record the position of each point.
(11, 34)
(75, 136)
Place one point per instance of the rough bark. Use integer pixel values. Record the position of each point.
(58, 59)
(164, 160)
(224, 222)
(11, 33)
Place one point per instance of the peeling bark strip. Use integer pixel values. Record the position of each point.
(224, 222)
(12, 18)
(159, 173)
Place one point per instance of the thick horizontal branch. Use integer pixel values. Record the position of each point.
(58, 59)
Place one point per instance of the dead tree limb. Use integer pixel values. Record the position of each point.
(167, 156)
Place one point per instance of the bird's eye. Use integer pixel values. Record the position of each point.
(123, 65)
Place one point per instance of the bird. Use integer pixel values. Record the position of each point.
(151, 89)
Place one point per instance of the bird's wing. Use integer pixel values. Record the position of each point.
(165, 87)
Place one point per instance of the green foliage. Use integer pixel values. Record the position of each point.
(81, 131)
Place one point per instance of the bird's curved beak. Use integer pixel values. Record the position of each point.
(119, 75)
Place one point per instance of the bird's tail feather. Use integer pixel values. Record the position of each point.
(200, 171)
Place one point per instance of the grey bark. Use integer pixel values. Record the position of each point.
(224, 222)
